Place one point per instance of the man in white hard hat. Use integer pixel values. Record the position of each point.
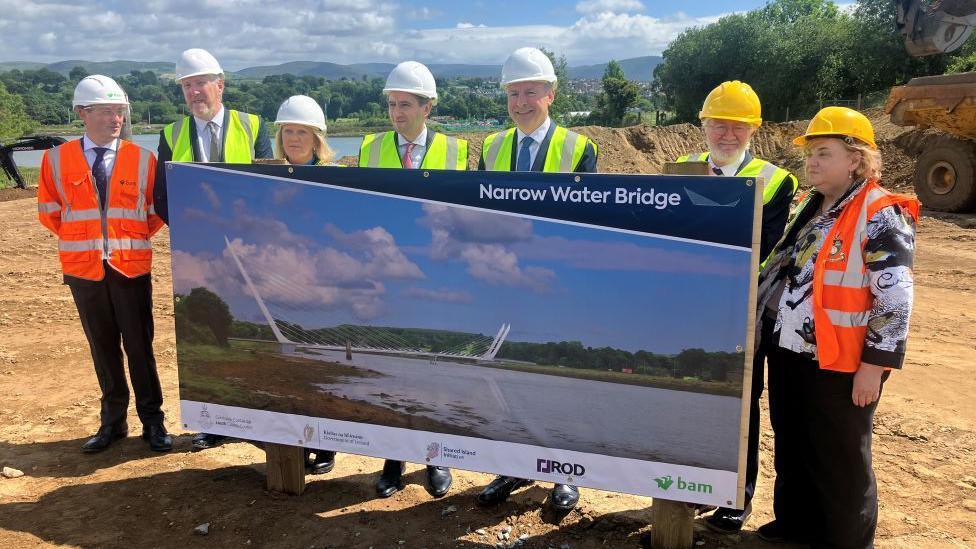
(95, 195)
(213, 133)
(535, 144)
(410, 95)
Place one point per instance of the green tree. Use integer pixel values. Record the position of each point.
(619, 94)
(77, 74)
(205, 308)
(14, 121)
(796, 54)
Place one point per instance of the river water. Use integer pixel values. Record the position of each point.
(343, 146)
(555, 412)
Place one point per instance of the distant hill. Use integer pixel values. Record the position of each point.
(108, 68)
(638, 68)
(20, 65)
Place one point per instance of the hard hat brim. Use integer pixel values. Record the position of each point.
(433, 98)
(802, 140)
(530, 79)
(747, 119)
(321, 127)
(200, 73)
(93, 103)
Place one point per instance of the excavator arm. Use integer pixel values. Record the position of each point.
(934, 26)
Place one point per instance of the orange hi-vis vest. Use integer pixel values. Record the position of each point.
(67, 203)
(842, 297)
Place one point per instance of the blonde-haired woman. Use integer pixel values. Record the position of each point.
(835, 297)
(301, 133)
(301, 141)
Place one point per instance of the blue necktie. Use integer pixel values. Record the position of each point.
(98, 170)
(524, 161)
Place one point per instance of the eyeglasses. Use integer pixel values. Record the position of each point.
(108, 111)
(720, 128)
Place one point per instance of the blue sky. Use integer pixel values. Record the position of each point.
(322, 257)
(347, 31)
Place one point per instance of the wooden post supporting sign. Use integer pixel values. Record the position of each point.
(286, 468)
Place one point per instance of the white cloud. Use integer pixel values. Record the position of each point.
(482, 241)
(212, 197)
(599, 6)
(340, 31)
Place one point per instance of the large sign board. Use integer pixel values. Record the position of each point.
(575, 328)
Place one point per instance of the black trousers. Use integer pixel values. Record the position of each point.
(752, 451)
(118, 310)
(825, 486)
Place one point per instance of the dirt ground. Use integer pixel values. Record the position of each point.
(924, 444)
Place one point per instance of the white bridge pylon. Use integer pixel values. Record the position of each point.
(465, 350)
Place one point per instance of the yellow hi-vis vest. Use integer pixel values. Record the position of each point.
(565, 150)
(379, 150)
(757, 167)
(239, 139)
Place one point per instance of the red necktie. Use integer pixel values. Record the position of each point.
(407, 160)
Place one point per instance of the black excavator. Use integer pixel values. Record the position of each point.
(34, 143)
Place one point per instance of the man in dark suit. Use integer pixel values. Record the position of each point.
(535, 144)
(212, 134)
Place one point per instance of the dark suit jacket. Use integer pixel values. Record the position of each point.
(774, 212)
(587, 163)
(262, 149)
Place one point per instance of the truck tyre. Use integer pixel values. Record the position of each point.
(944, 175)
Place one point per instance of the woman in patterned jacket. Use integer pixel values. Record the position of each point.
(835, 297)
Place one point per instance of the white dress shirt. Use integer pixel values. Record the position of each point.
(420, 147)
(728, 170)
(538, 136)
(203, 133)
(108, 160)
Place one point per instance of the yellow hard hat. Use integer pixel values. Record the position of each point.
(733, 100)
(839, 122)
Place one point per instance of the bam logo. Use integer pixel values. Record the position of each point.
(553, 467)
(666, 482)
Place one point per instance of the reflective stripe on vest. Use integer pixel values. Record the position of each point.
(239, 139)
(757, 167)
(565, 150)
(379, 150)
(842, 298)
(87, 234)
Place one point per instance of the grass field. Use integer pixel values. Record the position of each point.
(29, 175)
(726, 388)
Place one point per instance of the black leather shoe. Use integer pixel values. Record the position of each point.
(500, 488)
(438, 480)
(323, 463)
(563, 497)
(728, 521)
(391, 481)
(775, 532)
(203, 441)
(157, 437)
(106, 435)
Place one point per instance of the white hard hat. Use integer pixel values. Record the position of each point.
(98, 90)
(194, 62)
(301, 109)
(412, 77)
(527, 65)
